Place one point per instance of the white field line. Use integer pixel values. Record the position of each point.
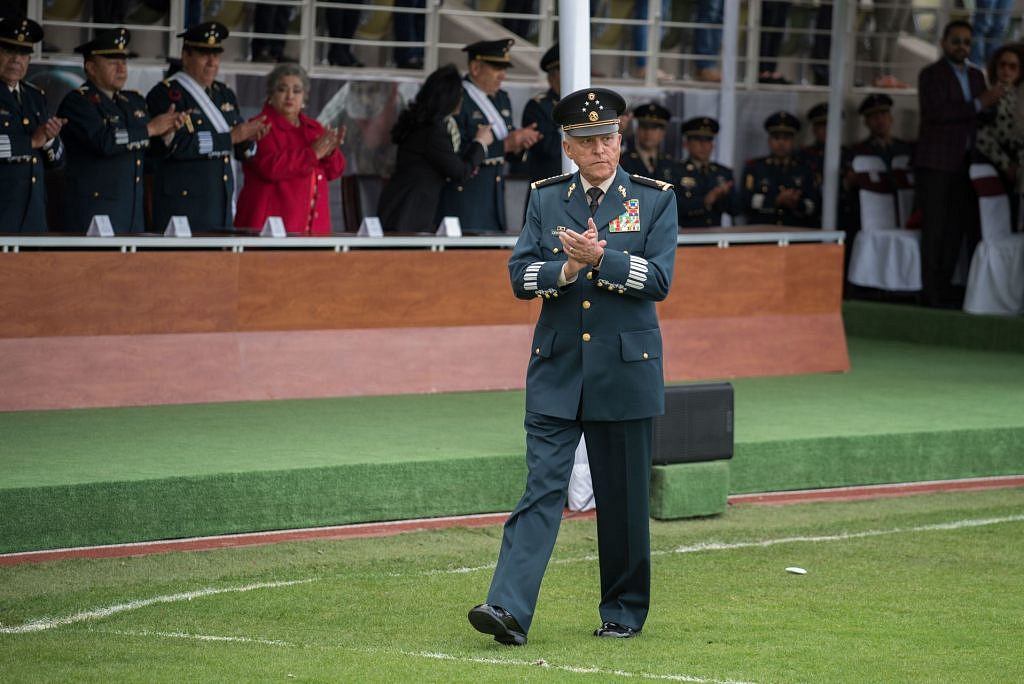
(42, 624)
(432, 655)
(45, 623)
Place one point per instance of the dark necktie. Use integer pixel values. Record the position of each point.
(595, 198)
(17, 95)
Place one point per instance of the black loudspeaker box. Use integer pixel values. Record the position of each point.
(697, 425)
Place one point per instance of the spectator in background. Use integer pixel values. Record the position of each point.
(991, 17)
(647, 159)
(951, 93)
(294, 161)
(705, 189)
(342, 23)
(192, 166)
(876, 110)
(773, 29)
(780, 188)
(106, 137)
(409, 28)
(1001, 134)
(520, 27)
(479, 201)
(430, 152)
(890, 19)
(544, 159)
(707, 40)
(29, 136)
(269, 19)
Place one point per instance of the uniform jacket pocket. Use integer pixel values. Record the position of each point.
(641, 345)
(543, 341)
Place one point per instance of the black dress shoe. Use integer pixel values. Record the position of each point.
(614, 630)
(499, 622)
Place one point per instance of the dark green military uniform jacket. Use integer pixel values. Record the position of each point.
(597, 344)
(764, 177)
(696, 180)
(22, 180)
(480, 201)
(106, 140)
(544, 159)
(192, 174)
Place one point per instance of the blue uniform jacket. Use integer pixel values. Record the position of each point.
(192, 175)
(544, 159)
(664, 166)
(479, 202)
(597, 349)
(106, 140)
(22, 180)
(695, 182)
(764, 177)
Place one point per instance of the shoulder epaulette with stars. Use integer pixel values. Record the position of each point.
(651, 182)
(34, 87)
(550, 181)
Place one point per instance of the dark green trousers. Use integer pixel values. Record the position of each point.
(620, 465)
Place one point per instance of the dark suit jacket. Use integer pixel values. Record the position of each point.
(948, 122)
(597, 345)
(106, 141)
(426, 161)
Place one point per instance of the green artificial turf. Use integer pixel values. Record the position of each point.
(920, 589)
(67, 478)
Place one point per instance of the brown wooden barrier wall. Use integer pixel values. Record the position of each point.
(111, 328)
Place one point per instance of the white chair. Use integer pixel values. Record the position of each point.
(883, 255)
(995, 282)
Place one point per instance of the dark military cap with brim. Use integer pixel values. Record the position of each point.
(818, 113)
(550, 60)
(875, 102)
(19, 35)
(494, 52)
(652, 114)
(206, 37)
(112, 43)
(700, 128)
(782, 123)
(588, 112)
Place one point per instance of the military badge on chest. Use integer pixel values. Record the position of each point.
(628, 222)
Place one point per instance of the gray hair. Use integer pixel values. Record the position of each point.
(286, 69)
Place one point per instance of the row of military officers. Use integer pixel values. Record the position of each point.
(188, 127)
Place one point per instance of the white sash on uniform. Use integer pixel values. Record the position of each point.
(496, 120)
(199, 94)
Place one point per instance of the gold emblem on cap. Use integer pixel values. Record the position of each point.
(592, 116)
(591, 96)
(211, 40)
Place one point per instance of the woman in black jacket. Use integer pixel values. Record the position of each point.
(430, 152)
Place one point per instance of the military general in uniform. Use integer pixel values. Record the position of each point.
(598, 250)
(106, 137)
(193, 175)
(479, 203)
(780, 188)
(705, 189)
(29, 136)
(647, 158)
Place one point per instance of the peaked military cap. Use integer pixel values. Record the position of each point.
(818, 113)
(550, 60)
(652, 114)
(875, 102)
(205, 37)
(701, 128)
(591, 111)
(19, 35)
(109, 43)
(494, 52)
(782, 122)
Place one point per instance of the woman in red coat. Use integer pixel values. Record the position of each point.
(288, 175)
